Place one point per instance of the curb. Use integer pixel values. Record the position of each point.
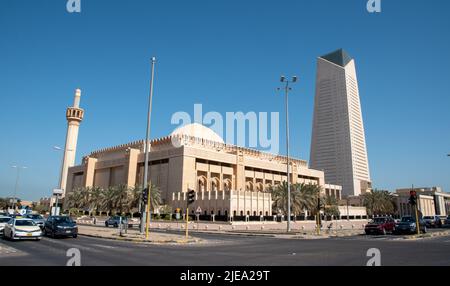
(140, 240)
(427, 235)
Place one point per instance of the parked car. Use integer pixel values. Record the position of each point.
(408, 225)
(60, 226)
(115, 221)
(380, 225)
(433, 221)
(447, 221)
(38, 219)
(22, 228)
(3, 221)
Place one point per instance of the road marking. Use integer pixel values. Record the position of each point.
(104, 246)
(69, 244)
(7, 250)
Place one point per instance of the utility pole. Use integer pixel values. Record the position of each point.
(16, 187)
(286, 90)
(147, 146)
(318, 212)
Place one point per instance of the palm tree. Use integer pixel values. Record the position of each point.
(95, 199)
(136, 197)
(303, 197)
(155, 197)
(3, 203)
(123, 199)
(379, 203)
(331, 206)
(279, 197)
(73, 199)
(109, 200)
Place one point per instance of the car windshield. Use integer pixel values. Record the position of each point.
(4, 219)
(407, 219)
(379, 220)
(25, 222)
(35, 217)
(63, 219)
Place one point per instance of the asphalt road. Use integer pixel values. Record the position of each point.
(229, 250)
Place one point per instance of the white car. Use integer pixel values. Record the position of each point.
(22, 228)
(3, 221)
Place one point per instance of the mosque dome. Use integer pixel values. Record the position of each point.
(199, 131)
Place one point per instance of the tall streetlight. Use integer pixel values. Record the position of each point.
(147, 148)
(286, 88)
(57, 148)
(18, 168)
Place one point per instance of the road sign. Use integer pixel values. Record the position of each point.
(58, 192)
(198, 211)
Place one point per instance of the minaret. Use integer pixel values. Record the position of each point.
(74, 116)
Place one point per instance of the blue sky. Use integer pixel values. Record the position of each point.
(227, 55)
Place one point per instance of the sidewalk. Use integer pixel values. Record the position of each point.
(134, 235)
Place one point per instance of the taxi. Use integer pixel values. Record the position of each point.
(22, 228)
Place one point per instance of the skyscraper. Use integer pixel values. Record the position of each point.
(338, 145)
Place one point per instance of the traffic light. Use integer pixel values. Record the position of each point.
(412, 198)
(191, 197)
(145, 195)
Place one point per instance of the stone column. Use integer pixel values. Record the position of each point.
(132, 167)
(90, 171)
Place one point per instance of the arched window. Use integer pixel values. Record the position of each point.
(215, 184)
(201, 184)
(259, 187)
(227, 185)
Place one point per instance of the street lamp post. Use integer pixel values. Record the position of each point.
(147, 149)
(286, 91)
(18, 168)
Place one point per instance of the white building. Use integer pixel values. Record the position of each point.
(338, 145)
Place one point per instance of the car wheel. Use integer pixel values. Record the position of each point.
(106, 224)
(75, 236)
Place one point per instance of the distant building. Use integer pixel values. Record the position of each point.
(26, 204)
(338, 145)
(44, 202)
(431, 201)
